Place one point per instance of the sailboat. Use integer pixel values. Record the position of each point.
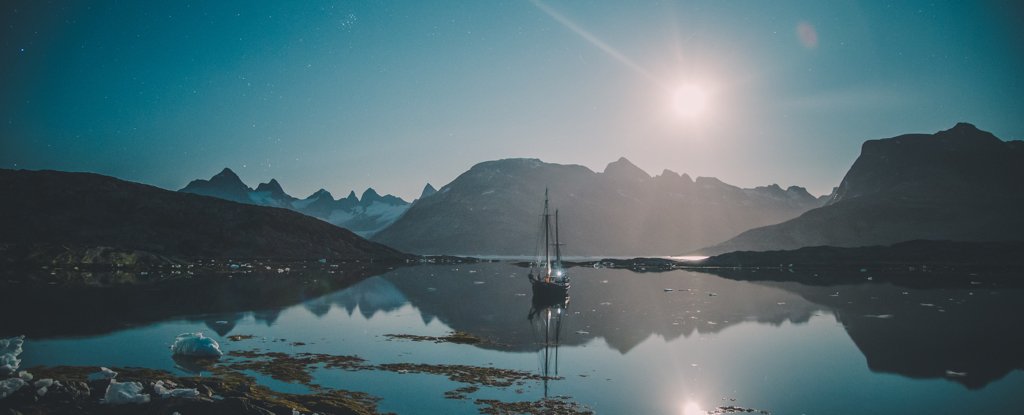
(547, 275)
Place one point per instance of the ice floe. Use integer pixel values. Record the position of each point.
(195, 345)
(9, 386)
(10, 348)
(167, 390)
(127, 392)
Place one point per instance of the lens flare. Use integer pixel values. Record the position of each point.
(693, 408)
(690, 101)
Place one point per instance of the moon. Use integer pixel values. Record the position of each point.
(690, 101)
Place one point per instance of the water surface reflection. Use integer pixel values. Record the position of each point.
(626, 342)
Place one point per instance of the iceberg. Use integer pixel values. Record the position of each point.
(10, 348)
(121, 393)
(195, 345)
(162, 389)
(9, 386)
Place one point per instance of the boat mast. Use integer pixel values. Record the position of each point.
(558, 246)
(547, 229)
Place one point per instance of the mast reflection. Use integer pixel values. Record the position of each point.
(546, 320)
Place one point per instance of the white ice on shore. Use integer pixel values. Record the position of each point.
(10, 348)
(104, 373)
(43, 385)
(195, 345)
(121, 393)
(161, 389)
(9, 386)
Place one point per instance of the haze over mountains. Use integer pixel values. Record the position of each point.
(961, 184)
(494, 209)
(364, 215)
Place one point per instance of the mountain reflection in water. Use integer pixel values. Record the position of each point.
(964, 330)
(966, 334)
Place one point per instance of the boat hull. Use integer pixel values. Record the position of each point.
(549, 293)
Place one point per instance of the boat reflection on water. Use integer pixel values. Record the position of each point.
(546, 320)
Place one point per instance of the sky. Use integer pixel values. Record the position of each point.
(395, 94)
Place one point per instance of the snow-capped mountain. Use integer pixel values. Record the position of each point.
(364, 215)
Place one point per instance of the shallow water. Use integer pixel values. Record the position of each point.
(625, 343)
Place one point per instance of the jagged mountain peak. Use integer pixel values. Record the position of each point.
(427, 191)
(321, 194)
(623, 168)
(272, 186)
(226, 172)
(352, 196)
(227, 176)
(369, 196)
(798, 191)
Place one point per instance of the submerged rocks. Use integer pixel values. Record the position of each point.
(195, 345)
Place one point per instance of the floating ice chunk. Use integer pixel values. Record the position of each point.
(24, 375)
(103, 374)
(953, 374)
(121, 393)
(161, 389)
(10, 348)
(196, 345)
(9, 386)
(879, 316)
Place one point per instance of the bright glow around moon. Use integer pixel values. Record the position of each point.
(693, 408)
(690, 101)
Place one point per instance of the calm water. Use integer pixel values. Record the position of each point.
(625, 343)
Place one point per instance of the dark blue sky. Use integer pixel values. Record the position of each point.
(345, 95)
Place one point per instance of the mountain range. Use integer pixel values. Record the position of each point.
(494, 208)
(961, 184)
(89, 218)
(364, 215)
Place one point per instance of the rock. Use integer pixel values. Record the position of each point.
(68, 391)
(241, 406)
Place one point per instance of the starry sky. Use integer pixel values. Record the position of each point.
(395, 94)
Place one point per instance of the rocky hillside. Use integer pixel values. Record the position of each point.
(495, 207)
(962, 184)
(49, 213)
